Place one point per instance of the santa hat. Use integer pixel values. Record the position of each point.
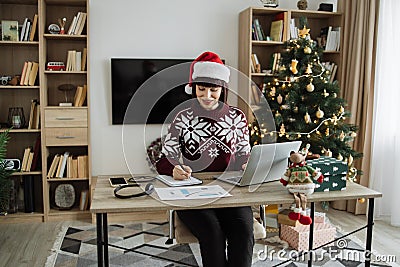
(208, 65)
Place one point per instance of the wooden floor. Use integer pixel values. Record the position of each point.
(30, 244)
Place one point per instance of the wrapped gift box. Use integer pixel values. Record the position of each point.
(283, 217)
(334, 172)
(297, 236)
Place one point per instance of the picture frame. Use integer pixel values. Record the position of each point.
(9, 30)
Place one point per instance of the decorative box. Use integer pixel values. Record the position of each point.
(297, 236)
(334, 172)
(283, 218)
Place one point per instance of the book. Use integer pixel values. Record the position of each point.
(74, 170)
(58, 171)
(72, 26)
(33, 28)
(27, 30)
(82, 166)
(33, 73)
(21, 82)
(259, 30)
(29, 193)
(169, 180)
(78, 61)
(33, 106)
(83, 61)
(29, 162)
(81, 24)
(84, 200)
(63, 164)
(25, 159)
(36, 156)
(82, 96)
(27, 73)
(22, 33)
(78, 94)
(9, 30)
(53, 166)
(276, 30)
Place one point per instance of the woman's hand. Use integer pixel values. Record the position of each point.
(244, 166)
(181, 172)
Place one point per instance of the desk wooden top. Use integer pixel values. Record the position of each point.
(103, 200)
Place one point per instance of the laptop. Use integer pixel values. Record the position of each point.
(267, 163)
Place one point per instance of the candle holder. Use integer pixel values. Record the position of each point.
(66, 88)
(16, 117)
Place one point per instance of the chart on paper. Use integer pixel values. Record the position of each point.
(192, 192)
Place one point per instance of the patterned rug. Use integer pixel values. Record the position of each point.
(77, 247)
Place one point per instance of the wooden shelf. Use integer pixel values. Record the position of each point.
(64, 72)
(19, 43)
(266, 43)
(21, 130)
(64, 37)
(27, 173)
(66, 179)
(13, 87)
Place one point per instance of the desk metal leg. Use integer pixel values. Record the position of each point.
(105, 239)
(311, 236)
(99, 230)
(368, 247)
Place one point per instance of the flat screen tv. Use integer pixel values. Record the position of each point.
(146, 91)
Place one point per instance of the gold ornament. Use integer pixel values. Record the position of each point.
(279, 99)
(308, 69)
(342, 136)
(350, 161)
(310, 87)
(353, 134)
(282, 130)
(325, 93)
(327, 132)
(277, 114)
(319, 114)
(352, 173)
(304, 32)
(307, 118)
(328, 153)
(273, 91)
(361, 200)
(341, 110)
(293, 66)
(296, 109)
(334, 95)
(340, 157)
(307, 50)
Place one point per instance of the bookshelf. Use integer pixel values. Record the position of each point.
(57, 133)
(14, 54)
(264, 49)
(65, 128)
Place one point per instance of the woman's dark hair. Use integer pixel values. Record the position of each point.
(211, 83)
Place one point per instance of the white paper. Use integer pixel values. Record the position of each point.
(169, 180)
(192, 192)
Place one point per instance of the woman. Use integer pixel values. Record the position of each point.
(211, 136)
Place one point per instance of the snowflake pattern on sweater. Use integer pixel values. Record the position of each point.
(212, 140)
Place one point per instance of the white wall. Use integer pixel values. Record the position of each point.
(154, 29)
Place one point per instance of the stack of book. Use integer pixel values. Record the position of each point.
(28, 31)
(332, 67)
(68, 166)
(31, 157)
(29, 73)
(255, 64)
(76, 60)
(80, 95)
(330, 38)
(77, 24)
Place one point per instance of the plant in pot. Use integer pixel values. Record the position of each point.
(5, 173)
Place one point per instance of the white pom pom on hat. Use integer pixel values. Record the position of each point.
(207, 65)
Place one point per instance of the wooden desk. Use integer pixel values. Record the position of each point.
(104, 203)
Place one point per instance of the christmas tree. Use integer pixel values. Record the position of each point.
(304, 101)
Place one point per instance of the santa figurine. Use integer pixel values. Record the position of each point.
(298, 179)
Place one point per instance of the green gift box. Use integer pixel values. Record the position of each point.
(334, 172)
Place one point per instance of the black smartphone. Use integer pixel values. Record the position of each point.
(116, 181)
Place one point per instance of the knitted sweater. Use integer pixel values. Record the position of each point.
(215, 140)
